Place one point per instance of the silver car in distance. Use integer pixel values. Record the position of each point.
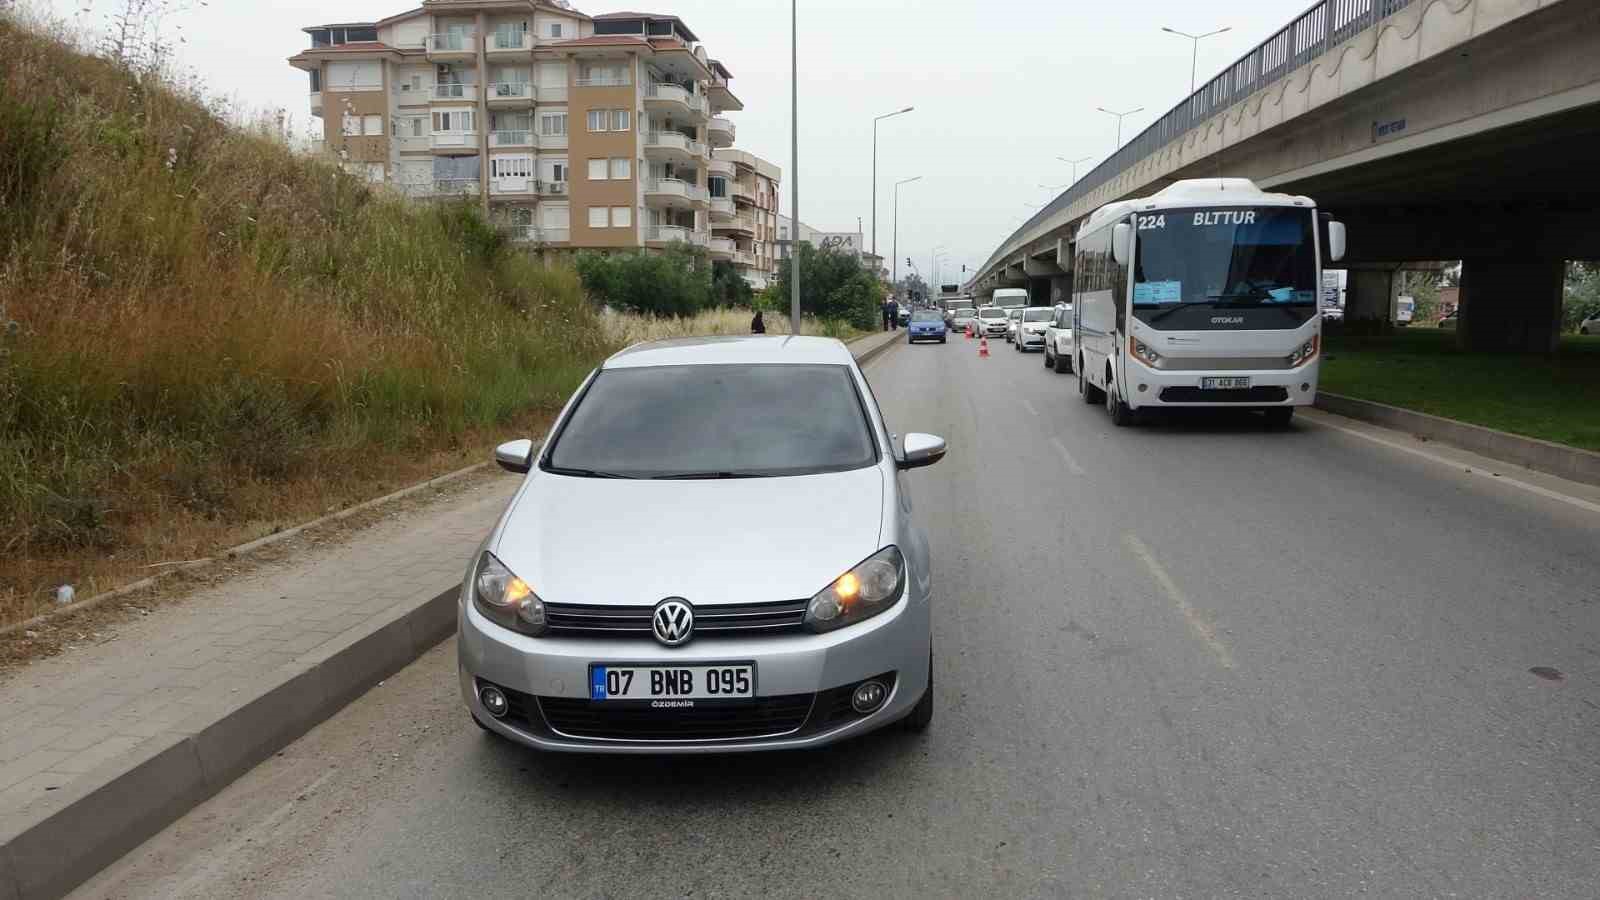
(713, 552)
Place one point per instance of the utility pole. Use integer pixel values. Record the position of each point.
(794, 162)
(1194, 58)
(875, 172)
(894, 279)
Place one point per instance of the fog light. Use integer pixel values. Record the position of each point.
(1305, 386)
(494, 701)
(1143, 388)
(868, 696)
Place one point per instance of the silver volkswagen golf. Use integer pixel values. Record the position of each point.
(714, 551)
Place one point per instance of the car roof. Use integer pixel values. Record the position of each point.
(732, 350)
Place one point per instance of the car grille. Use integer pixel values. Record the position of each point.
(587, 620)
(1259, 394)
(767, 717)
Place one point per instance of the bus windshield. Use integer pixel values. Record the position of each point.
(1233, 268)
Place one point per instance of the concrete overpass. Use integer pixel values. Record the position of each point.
(1437, 129)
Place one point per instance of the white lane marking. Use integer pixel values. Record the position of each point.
(1072, 464)
(1029, 407)
(1197, 622)
(1466, 467)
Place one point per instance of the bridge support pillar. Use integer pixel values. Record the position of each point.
(1039, 290)
(1061, 289)
(1511, 305)
(1369, 294)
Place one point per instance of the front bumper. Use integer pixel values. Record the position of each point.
(1031, 339)
(926, 334)
(992, 331)
(787, 666)
(1147, 387)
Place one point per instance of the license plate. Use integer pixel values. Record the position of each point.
(1225, 382)
(723, 681)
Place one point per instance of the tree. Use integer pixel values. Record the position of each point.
(1581, 297)
(728, 287)
(913, 286)
(832, 286)
(674, 282)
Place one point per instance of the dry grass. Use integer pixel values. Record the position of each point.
(204, 337)
(623, 329)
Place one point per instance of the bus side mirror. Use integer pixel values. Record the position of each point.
(1122, 243)
(1335, 241)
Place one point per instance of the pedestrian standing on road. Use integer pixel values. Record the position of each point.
(894, 314)
(756, 325)
(888, 313)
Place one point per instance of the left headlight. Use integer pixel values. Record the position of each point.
(505, 599)
(1143, 353)
(870, 587)
(1303, 353)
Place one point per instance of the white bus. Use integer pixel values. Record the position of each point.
(1205, 294)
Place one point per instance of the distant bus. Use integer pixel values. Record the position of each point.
(1204, 294)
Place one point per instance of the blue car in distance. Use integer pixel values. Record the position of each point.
(926, 325)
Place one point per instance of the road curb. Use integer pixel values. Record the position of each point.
(1571, 463)
(107, 813)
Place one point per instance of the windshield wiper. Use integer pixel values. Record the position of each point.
(584, 473)
(1169, 311)
(708, 476)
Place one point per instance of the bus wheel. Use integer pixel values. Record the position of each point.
(1091, 394)
(1121, 413)
(1279, 416)
(1063, 364)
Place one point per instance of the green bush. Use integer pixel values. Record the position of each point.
(673, 282)
(833, 285)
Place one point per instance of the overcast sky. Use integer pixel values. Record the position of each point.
(1001, 88)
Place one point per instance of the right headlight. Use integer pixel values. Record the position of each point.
(870, 587)
(505, 599)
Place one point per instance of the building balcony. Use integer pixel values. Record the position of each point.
(455, 142)
(673, 146)
(455, 187)
(661, 236)
(744, 258)
(720, 132)
(514, 138)
(622, 80)
(743, 192)
(452, 45)
(673, 192)
(538, 234)
(722, 248)
(506, 185)
(511, 93)
(455, 91)
(316, 103)
(721, 167)
(742, 224)
(513, 41)
(552, 188)
(672, 100)
(722, 209)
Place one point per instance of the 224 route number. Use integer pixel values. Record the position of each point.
(1148, 222)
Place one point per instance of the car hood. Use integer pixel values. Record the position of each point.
(633, 542)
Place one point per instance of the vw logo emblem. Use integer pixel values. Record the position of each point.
(673, 621)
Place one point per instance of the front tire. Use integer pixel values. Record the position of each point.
(1279, 416)
(1122, 414)
(922, 714)
(1092, 395)
(1049, 361)
(1063, 365)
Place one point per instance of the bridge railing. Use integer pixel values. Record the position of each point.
(1311, 34)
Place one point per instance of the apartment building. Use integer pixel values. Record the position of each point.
(573, 131)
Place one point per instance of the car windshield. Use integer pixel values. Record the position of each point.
(1014, 314)
(715, 421)
(1038, 315)
(965, 312)
(1258, 264)
(926, 315)
(991, 314)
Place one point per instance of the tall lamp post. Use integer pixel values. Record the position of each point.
(875, 171)
(1194, 58)
(894, 279)
(934, 256)
(1120, 116)
(1074, 164)
(794, 164)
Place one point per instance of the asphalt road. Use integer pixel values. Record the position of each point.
(1197, 659)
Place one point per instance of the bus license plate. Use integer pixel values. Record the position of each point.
(1225, 383)
(727, 681)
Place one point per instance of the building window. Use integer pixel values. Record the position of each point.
(597, 119)
(316, 80)
(372, 125)
(453, 120)
(597, 216)
(553, 124)
(620, 168)
(511, 166)
(597, 170)
(619, 120)
(621, 217)
(555, 29)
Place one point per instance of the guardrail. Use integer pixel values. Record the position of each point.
(453, 41)
(1307, 37)
(453, 91)
(511, 90)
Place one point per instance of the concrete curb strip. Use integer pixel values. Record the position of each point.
(101, 816)
(1571, 463)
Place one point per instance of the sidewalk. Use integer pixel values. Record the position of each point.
(103, 746)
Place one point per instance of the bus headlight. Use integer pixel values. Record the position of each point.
(1143, 353)
(1303, 353)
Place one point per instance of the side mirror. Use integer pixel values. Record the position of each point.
(515, 456)
(921, 450)
(1122, 243)
(1335, 241)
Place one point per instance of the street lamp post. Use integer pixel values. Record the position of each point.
(875, 171)
(794, 164)
(934, 256)
(1120, 116)
(894, 277)
(1074, 164)
(1194, 58)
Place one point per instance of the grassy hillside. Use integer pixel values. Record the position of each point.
(204, 336)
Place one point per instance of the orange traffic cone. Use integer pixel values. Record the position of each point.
(983, 348)
(969, 331)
